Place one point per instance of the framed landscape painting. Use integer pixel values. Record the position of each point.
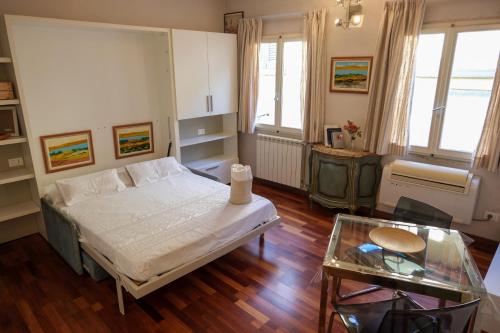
(134, 139)
(350, 74)
(67, 150)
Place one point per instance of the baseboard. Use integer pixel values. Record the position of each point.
(281, 187)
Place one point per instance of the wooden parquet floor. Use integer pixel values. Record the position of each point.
(254, 288)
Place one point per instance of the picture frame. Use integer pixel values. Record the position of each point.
(133, 139)
(329, 129)
(67, 150)
(9, 123)
(350, 74)
(231, 22)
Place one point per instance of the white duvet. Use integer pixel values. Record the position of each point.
(150, 230)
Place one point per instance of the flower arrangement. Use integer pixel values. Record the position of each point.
(354, 131)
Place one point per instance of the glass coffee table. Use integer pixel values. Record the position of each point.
(444, 269)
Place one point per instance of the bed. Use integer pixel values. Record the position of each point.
(148, 236)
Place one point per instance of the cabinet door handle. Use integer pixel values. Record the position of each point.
(208, 103)
(212, 103)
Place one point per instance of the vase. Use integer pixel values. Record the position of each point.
(353, 144)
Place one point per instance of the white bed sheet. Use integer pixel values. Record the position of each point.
(150, 230)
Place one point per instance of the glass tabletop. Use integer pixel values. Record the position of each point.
(444, 263)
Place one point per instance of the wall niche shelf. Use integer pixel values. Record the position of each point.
(18, 210)
(205, 138)
(13, 141)
(9, 102)
(16, 175)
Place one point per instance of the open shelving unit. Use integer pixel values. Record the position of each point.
(18, 191)
(213, 152)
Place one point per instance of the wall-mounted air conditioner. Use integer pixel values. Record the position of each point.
(454, 191)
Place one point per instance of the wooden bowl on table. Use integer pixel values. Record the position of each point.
(397, 240)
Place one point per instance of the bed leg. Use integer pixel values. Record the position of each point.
(119, 294)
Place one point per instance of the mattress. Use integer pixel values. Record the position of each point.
(146, 231)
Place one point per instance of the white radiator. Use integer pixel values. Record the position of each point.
(454, 191)
(279, 159)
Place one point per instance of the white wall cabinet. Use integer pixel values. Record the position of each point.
(191, 73)
(206, 89)
(205, 71)
(222, 69)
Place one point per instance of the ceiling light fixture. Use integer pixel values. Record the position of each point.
(352, 17)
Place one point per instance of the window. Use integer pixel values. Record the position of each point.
(280, 76)
(455, 68)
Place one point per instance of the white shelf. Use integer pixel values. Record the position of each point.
(205, 138)
(16, 175)
(13, 140)
(9, 101)
(5, 60)
(209, 162)
(17, 210)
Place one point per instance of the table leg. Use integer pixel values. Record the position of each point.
(442, 303)
(472, 321)
(323, 302)
(335, 289)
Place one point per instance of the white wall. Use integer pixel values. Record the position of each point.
(73, 78)
(183, 14)
(362, 42)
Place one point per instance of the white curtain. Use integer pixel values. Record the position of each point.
(488, 151)
(314, 75)
(386, 127)
(249, 39)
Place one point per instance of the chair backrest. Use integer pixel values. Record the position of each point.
(454, 319)
(414, 211)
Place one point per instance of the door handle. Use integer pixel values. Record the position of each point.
(212, 103)
(208, 103)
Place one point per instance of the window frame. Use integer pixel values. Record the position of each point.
(278, 103)
(451, 32)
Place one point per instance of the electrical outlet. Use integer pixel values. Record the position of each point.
(495, 217)
(201, 131)
(15, 162)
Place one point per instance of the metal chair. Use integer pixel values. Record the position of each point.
(414, 211)
(402, 314)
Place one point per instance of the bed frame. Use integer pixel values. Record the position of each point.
(63, 236)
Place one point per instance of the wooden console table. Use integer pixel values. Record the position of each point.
(341, 178)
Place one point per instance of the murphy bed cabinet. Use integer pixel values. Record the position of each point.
(205, 76)
(344, 179)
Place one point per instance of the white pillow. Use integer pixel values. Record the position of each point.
(52, 194)
(78, 189)
(125, 177)
(168, 166)
(143, 173)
